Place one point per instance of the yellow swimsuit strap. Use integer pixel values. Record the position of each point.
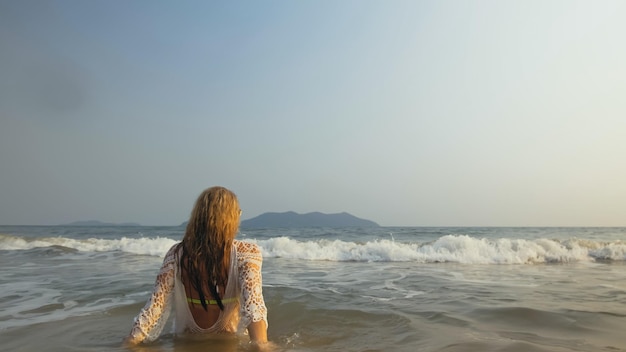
(211, 301)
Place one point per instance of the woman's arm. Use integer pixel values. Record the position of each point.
(258, 331)
(152, 318)
(253, 310)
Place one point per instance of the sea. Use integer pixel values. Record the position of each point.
(332, 289)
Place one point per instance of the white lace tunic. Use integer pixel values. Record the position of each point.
(245, 265)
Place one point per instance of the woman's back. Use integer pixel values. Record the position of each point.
(242, 297)
(204, 318)
(191, 316)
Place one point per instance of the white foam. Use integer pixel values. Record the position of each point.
(452, 248)
(155, 246)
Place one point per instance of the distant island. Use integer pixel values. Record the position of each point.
(315, 219)
(285, 220)
(99, 223)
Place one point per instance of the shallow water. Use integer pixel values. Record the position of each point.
(383, 289)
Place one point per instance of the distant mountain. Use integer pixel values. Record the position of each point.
(99, 223)
(315, 219)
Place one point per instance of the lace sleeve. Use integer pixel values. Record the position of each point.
(250, 261)
(149, 323)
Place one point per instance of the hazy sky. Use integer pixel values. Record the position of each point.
(408, 113)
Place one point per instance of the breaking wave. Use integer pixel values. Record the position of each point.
(450, 248)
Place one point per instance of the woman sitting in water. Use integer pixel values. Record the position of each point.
(212, 280)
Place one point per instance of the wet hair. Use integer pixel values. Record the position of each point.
(206, 246)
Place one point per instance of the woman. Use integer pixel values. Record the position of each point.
(212, 280)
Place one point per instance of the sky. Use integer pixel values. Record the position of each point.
(406, 113)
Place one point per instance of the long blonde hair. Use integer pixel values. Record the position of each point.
(208, 241)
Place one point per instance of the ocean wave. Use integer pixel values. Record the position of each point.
(450, 248)
(461, 249)
(154, 246)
